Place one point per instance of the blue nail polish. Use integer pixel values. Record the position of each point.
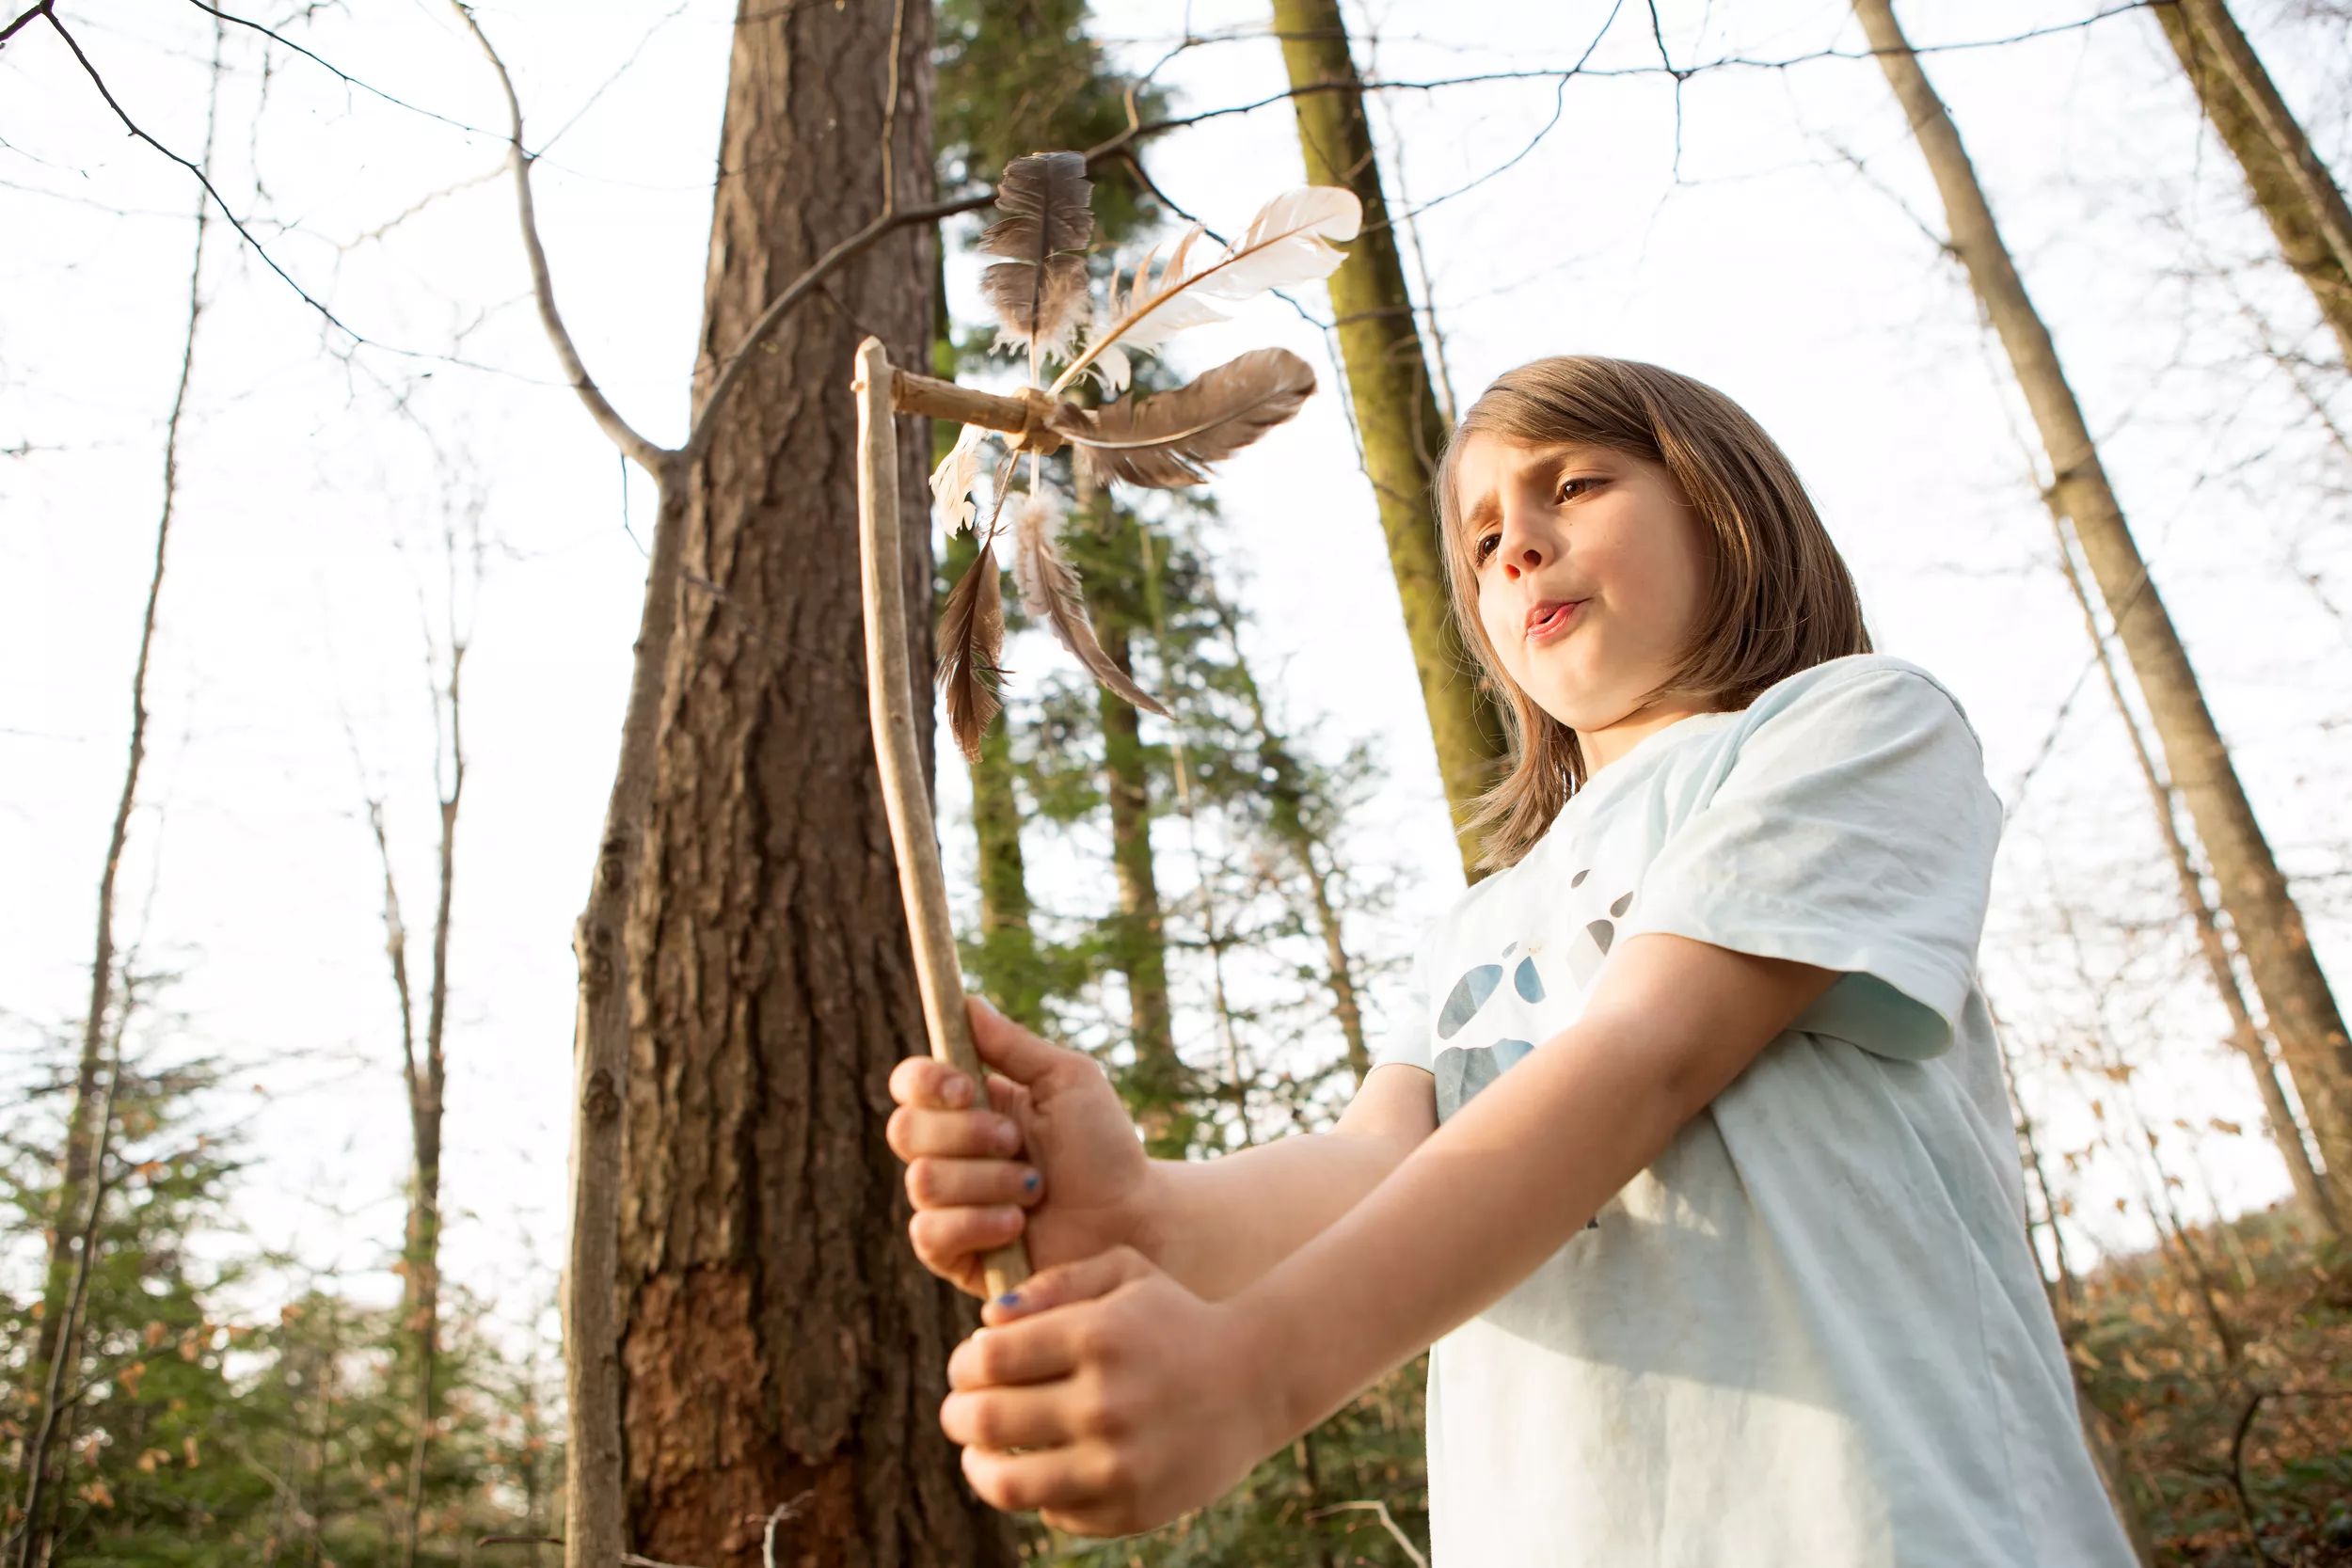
(1028, 1182)
(1010, 1298)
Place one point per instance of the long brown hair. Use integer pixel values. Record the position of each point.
(1781, 599)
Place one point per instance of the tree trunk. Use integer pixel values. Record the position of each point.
(427, 1096)
(2294, 189)
(1396, 409)
(1158, 1083)
(67, 1242)
(782, 1348)
(2278, 1113)
(2269, 926)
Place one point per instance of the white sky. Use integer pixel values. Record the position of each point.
(304, 542)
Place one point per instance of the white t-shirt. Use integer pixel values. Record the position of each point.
(1813, 1334)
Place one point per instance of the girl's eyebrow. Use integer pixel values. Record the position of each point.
(1539, 457)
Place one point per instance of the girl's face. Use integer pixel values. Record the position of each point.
(1592, 572)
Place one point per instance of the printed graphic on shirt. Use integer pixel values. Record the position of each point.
(1497, 1012)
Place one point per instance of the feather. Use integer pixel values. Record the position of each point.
(971, 643)
(1049, 591)
(1169, 440)
(953, 479)
(1290, 241)
(1156, 304)
(1039, 293)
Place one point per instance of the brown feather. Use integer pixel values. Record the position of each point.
(1039, 293)
(1049, 590)
(1169, 440)
(971, 643)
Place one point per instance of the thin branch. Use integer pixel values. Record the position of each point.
(731, 371)
(624, 435)
(18, 25)
(337, 72)
(1403, 1541)
(202, 177)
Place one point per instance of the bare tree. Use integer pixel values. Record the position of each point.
(1395, 399)
(88, 1111)
(423, 1064)
(2252, 893)
(746, 1217)
(2295, 192)
(2287, 1134)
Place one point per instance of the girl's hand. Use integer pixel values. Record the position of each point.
(1082, 1189)
(1131, 1400)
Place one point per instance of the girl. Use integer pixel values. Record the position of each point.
(1693, 1165)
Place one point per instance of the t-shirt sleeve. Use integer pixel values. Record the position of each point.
(1406, 1039)
(1855, 832)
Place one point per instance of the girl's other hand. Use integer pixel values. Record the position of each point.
(1081, 1188)
(1110, 1398)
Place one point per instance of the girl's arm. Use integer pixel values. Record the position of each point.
(1051, 1157)
(1133, 1400)
(1218, 1224)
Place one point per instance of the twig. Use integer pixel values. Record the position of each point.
(202, 179)
(607, 418)
(337, 72)
(2237, 1456)
(778, 1515)
(1403, 1540)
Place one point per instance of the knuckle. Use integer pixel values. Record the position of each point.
(1113, 1469)
(923, 1183)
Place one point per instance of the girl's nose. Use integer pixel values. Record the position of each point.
(1521, 557)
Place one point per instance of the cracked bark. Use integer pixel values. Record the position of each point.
(777, 1336)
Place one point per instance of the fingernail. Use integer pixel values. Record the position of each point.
(1007, 1137)
(957, 1091)
(1028, 1182)
(1010, 1298)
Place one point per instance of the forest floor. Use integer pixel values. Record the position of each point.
(2224, 1369)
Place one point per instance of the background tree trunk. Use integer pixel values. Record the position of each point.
(2292, 187)
(1396, 409)
(2278, 1114)
(1157, 1085)
(1008, 964)
(2269, 926)
(782, 1348)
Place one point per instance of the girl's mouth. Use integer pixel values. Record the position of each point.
(1554, 623)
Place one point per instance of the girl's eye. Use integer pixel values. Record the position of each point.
(1485, 546)
(1568, 486)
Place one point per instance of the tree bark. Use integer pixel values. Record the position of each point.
(2296, 195)
(2269, 926)
(782, 1348)
(2286, 1134)
(1390, 388)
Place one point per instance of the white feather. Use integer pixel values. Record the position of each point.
(1290, 241)
(953, 479)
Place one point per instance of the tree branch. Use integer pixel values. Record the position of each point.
(649, 456)
(202, 177)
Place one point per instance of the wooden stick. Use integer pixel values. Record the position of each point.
(890, 705)
(1022, 414)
